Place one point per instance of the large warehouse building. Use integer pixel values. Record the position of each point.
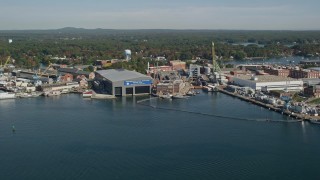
(121, 82)
(268, 82)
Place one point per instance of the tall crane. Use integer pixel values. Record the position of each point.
(217, 76)
(5, 64)
(215, 65)
(45, 71)
(2, 67)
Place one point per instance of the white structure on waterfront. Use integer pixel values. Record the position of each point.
(268, 82)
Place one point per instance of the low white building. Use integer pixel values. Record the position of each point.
(268, 82)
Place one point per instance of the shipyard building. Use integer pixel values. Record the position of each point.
(121, 82)
(268, 82)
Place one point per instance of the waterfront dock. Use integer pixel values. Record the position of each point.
(102, 96)
(302, 117)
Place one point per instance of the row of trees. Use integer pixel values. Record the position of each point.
(84, 46)
(139, 64)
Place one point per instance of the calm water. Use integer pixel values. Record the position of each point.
(68, 137)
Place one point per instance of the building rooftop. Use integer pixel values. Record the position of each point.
(311, 81)
(121, 74)
(315, 69)
(310, 61)
(68, 70)
(177, 62)
(73, 71)
(265, 78)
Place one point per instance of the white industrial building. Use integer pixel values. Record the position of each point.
(268, 82)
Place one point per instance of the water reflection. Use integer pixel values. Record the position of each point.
(304, 129)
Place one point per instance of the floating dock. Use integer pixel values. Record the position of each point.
(102, 96)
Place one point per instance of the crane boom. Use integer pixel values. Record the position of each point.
(215, 64)
(45, 71)
(7, 61)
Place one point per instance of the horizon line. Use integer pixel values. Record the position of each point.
(181, 29)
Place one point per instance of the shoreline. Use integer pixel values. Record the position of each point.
(302, 117)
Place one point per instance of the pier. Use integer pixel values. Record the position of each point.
(301, 117)
(102, 96)
(143, 103)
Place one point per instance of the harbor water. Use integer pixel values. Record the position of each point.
(208, 136)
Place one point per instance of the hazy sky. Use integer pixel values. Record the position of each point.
(161, 14)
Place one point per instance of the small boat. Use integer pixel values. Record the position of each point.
(207, 89)
(315, 121)
(154, 95)
(65, 91)
(25, 95)
(166, 96)
(215, 89)
(52, 93)
(7, 95)
(87, 94)
(28, 95)
(35, 94)
(178, 96)
(191, 93)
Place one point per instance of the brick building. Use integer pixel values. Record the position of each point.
(278, 72)
(67, 78)
(154, 70)
(304, 74)
(170, 87)
(178, 65)
(294, 73)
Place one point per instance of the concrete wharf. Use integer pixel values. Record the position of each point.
(301, 117)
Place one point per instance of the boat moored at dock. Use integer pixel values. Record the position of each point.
(52, 93)
(191, 93)
(213, 87)
(7, 95)
(29, 95)
(166, 96)
(314, 121)
(87, 94)
(178, 96)
(207, 89)
(25, 95)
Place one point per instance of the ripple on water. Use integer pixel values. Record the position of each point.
(72, 138)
